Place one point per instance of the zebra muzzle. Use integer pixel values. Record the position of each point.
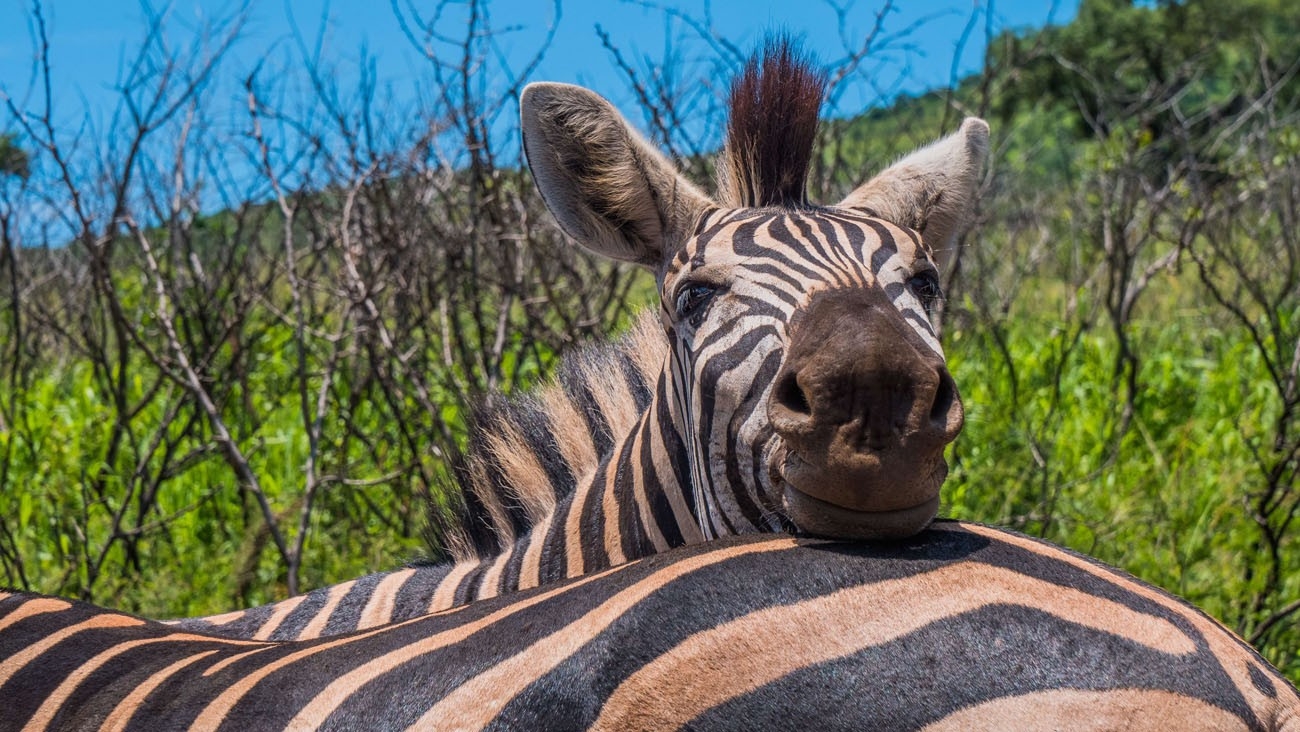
(864, 409)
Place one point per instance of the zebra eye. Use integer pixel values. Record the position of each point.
(925, 285)
(692, 301)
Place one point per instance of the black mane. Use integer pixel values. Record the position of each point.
(479, 511)
(774, 107)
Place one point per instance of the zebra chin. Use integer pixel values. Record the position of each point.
(858, 505)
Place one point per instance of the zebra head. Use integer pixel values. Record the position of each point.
(805, 381)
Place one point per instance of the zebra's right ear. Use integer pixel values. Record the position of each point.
(610, 189)
(931, 190)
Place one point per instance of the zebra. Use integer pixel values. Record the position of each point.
(962, 627)
(791, 379)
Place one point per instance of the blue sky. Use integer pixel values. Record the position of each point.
(93, 41)
(89, 38)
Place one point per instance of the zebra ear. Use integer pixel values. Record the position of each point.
(608, 187)
(931, 190)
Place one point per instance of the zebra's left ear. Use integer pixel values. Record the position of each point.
(931, 190)
(609, 188)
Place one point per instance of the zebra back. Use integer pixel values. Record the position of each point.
(963, 627)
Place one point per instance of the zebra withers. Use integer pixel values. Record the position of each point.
(963, 627)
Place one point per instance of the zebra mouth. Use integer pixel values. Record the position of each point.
(865, 504)
(815, 516)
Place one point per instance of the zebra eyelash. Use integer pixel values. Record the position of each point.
(692, 301)
(926, 287)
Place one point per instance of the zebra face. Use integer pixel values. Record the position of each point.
(805, 383)
(807, 368)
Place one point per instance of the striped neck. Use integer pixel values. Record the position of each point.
(632, 505)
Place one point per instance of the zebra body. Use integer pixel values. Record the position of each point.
(962, 627)
(791, 379)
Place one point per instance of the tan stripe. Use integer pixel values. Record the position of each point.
(236, 658)
(214, 620)
(490, 585)
(642, 499)
(1097, 711)
(122, 713)
(19, 660)
(45, 714)
(218, 708)
(1233, 653)
(613, 524)
(485, 488)
(379, 608)
(318, 622)
(686, 522)
(530, 570)
(1288, 715)
(445, 596)
(32, 608)
(523, 474)
(5, 595)
(282, 610)
(738, 657)
(609, 390)
(476, 702)
(648, 347)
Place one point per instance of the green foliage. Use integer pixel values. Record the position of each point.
(1116, 51)
(186, 569)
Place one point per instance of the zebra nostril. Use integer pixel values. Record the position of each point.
(791, 396)
(944, 396)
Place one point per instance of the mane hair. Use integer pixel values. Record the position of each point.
(772, 124)
(528, 451)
